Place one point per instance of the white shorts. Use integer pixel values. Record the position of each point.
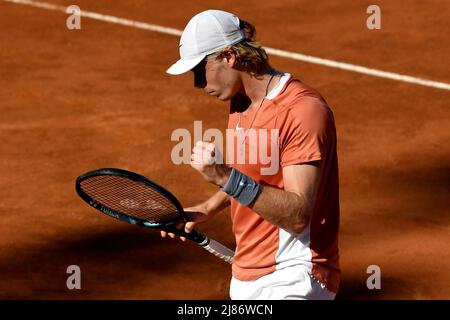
(291, 283)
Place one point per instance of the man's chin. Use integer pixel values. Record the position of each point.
(223, 98)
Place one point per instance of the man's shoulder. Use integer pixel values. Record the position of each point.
(297, 96)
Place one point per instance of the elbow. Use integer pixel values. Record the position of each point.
(300, 220)
(298, 227)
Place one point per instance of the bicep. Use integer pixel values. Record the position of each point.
(303, 180)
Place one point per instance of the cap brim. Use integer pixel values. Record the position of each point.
(184, 65)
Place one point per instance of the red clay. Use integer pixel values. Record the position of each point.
(71, 101)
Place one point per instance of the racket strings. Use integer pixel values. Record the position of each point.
(130, 197)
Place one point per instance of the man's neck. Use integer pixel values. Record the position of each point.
(254, 90)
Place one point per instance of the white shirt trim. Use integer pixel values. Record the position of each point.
(276, 91)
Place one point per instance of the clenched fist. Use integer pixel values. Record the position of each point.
(203, 159)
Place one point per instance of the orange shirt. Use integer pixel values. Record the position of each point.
(306, 133)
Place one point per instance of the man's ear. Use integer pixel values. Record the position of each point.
(230, 57)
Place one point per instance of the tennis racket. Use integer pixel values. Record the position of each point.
(135, 199)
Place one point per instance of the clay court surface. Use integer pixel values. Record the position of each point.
(76, 100)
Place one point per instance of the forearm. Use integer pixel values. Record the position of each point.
(289, 209)
(285, 209)
(219, 201)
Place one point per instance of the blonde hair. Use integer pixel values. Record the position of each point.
(250, 55)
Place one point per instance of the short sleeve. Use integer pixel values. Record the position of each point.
(304, 131)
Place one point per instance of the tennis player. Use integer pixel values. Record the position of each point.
(286, 221)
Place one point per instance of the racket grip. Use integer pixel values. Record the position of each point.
(218, 250)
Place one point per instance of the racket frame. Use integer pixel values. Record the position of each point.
(168, 225)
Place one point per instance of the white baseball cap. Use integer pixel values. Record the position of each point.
(206, 33)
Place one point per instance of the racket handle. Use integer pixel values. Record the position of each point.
(208, 244)
(218, 250)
